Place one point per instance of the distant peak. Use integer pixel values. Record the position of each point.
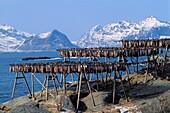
(150, 22)
(6, 27)
(123, 22)
(151, 18)
(55, 30)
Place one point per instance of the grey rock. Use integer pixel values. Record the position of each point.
(31, 107)
(65, 102)
(61, 103)
(17, 101)
(101, 99)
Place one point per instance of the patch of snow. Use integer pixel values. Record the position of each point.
(25, 34)
(125, 109)
(74, 42)
(44, 35)
(6, 27)
(163, 37)
(151, 22)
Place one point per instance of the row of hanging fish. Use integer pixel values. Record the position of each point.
(146, 43)
(109, 52)
(70, 67)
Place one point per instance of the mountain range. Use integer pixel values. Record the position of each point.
(15, 40)
(106, 36)
(111, 34)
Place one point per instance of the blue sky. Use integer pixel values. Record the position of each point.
(75, 17)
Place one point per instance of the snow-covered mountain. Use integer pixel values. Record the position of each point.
(111, 34)
(10, 38)
(46, 41)
(15, 40)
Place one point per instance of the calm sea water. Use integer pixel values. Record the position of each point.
(7, 78)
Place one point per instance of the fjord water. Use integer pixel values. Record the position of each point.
(7, 78)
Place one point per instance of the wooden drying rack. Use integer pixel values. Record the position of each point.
(54, 70)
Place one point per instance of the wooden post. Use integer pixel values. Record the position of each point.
(123, 86)
(64, 83)
(154, 64)
(127, 74)
(97, 79)
(47, 75)
(64, 59)
(72, 76)
(79, 89)
(88, 85)
(15, 81)
(43, 87)
(32, 79)
(101, 75)
(61, 79)
(114, 86)
(137, 61)
(106, 79)
(166, 51)
(55, 88)
(90, 76)
(147, 69)
(69, 58)
(26, 84)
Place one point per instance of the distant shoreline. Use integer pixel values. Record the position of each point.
(35, 58)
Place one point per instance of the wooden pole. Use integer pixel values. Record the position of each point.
(106, 79)
(88, 85)
(64, 84)
(55, 88)
(79, 89)
(90, 76)
(123, 86)
(15, 81)
(61, 80)
(64, 59)
(114, 86)
(26, 84)
(97, 79)
(32, 79)
(166, 51)
(69, 58)
(147, 69)
(43, 87)
(101, 75)
(47, 75)
(127, 74)
(72, 76)
(137, 61)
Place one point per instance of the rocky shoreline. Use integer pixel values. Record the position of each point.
(152, 96)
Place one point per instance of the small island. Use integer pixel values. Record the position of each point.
(35, 58)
